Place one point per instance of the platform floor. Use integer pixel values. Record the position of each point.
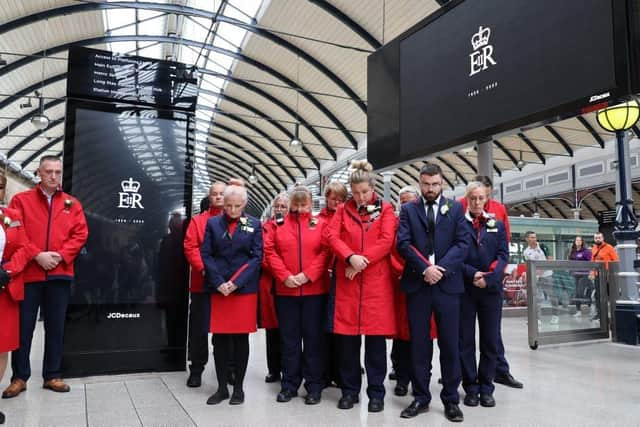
(589, 384)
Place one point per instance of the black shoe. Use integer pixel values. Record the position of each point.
(508, 380)
(471, 400)
(393, 376)
(286, 395)
(194, 380)
(453, 413)
(272, 378)
(237, 398)
(487, 400)
(347, 402)
(2, 419)
(218, 397)
(375, 404)
(440, 380)
(312, 399)
(401, 390)
(414, 409)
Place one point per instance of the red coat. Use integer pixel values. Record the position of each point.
(326, 215)
(294, 247)
(496, 210)
(15, 257)
(192, 242)
(364, 305)
(60, 227)
(267, 317)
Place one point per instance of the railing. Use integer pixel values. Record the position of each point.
(566, 301)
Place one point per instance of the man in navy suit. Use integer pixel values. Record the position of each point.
(433, 239)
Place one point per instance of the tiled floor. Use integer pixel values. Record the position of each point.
(594, 384)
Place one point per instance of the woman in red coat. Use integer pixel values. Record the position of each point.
(298, 260)
(267, 318)
(361, 235)
(15, 256)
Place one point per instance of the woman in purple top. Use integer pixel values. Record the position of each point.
(580, 252)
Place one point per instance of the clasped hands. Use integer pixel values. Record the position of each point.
(227, 288)
(433, 274)
(48, 260)
(357, 264)
(295, 281)
(478, 280)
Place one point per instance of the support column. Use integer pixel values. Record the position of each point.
(485, 159)
(386, 179)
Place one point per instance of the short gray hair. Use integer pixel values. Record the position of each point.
(282, 195)
(471, 186)
(408, 189)
(232, 190)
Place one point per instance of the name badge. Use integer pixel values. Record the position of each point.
(250, 230)
(492, 230)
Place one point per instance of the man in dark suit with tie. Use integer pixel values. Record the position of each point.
(433, 239)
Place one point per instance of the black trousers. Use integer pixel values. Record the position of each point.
(375, 364)
(401, 361)
(55, 294)
(199, 331)
(228, 349)
(303, 341)
(274, 354)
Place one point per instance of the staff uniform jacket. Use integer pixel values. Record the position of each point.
(488, 253)
(59, 227)
(364, 305)
(192, 243)
(495, 210)
(296, 247)
(234, 257)
(450, 247)
(267, 316)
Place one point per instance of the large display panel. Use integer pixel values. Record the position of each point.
(477, 68)
(131, 169)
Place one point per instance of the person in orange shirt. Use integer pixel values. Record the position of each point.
(602, 252)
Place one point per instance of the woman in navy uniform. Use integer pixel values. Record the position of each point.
(232, 254)
(483, 272)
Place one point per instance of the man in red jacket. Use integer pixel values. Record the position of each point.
(57, 230)
(199, 308)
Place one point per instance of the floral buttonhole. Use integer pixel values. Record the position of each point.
(444, 209)
(313, 222)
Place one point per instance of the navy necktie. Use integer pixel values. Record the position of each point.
(431, 227)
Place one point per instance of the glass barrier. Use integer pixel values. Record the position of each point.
(567, 301)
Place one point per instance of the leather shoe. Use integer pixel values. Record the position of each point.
(286, 395)
(194, 380)
(508, 380)
(471, 400)
(414, 409)
(453, 413)
(237, 398)
(487, 400)
(2, 418)
(272, 378)
(401, 390)
(347, 402)
(16, 387)
(218, 397)
(312, 399)
(375, 404)
(57, 385)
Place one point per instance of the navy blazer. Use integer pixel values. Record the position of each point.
(452, 238)
(489, 251)
(236, 258)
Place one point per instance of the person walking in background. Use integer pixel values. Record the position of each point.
(580, 252)
(601, 252)
(361, 234)
(56, 230)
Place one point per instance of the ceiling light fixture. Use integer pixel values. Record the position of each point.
(40, 120)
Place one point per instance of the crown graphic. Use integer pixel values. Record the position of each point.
(130, 186)
(481, 38)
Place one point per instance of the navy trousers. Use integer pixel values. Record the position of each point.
(55, 294)
(302, 339)
(446, 307)
(375, 364)
(487, 308)
(502, 366)
(199, 310)
(401, 361)
(274, 355)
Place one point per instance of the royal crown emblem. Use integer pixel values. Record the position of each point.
(482, 56)
(481, 38)
(129, 198)
(130, 186)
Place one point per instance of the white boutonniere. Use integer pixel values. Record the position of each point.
(6, 220)
(313, 222)
(491, 223)
(444, 209)
(374, 210)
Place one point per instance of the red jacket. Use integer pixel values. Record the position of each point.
(17, 252)
(60, 227)
(267, 317)
(495, 210)
(364, 305)
(294, 247)
(192, 242)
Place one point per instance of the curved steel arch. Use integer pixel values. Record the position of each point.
(533, 148)
(40, 151)
(261, 193)
(23, 119)
(171, 40)
(454, 170)
(346, 20)
(591, 130)
(560, 139)
(33, 136)
(506, 152)
(189, 11)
